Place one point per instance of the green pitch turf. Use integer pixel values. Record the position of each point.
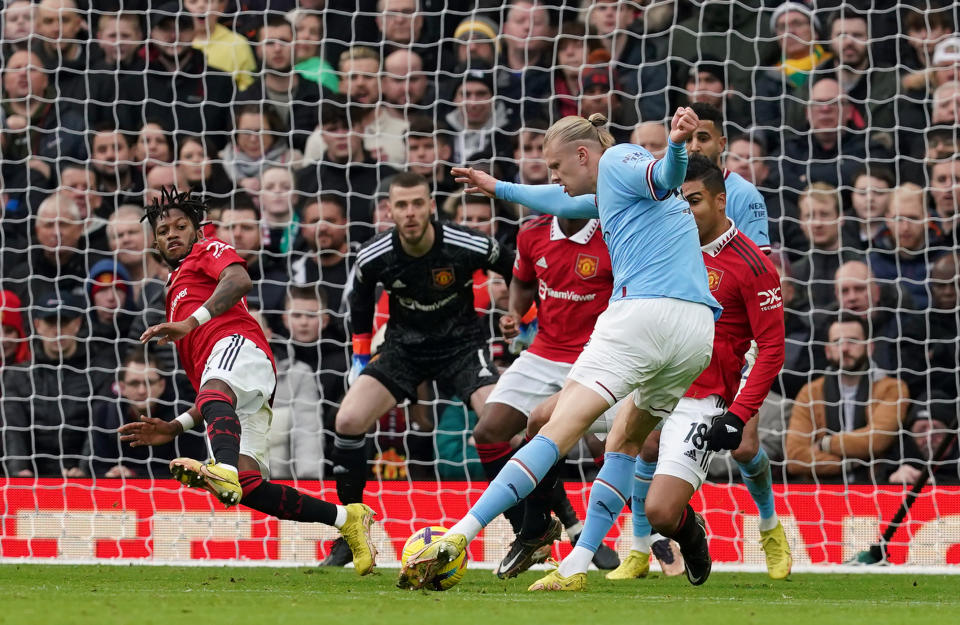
(144, 595)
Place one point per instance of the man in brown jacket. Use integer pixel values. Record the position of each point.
(847, 419)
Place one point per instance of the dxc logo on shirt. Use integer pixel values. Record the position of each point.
(218, 248)
(770, 298)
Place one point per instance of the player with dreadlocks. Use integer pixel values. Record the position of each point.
(226, 357)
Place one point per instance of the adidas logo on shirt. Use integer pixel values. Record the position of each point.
(542, 263)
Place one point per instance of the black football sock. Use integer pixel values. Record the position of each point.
(223, 426)
(284, 502)
(536, 514)
(350, 467)
(493, 457)
(561, 506)
(688, 531)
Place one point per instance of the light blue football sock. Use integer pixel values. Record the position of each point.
(517, 479)
(759, 481)
(608, 496)
(642, 475)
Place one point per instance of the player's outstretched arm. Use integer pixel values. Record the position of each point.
(668, 172)
(546, 198)
(153, 431)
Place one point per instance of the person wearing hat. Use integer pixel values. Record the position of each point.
(14, 346)
(109, 289)
(476, 40)
(600, 93)
(931, 420)
(46, 402)
(480, 122)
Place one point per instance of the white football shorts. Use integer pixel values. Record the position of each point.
(683, 440)
(247, 370)
(653, 347)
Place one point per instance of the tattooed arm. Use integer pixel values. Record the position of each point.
(234, 282)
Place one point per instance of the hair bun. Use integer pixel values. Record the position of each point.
(598, 119)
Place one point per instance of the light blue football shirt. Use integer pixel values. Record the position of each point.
(650, 233)
(745, 206)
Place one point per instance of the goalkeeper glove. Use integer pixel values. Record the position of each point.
(361, 356)
(524, 338)
(726, 433)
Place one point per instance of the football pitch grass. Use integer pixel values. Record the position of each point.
(144, 595)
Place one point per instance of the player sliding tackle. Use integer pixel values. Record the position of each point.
(226, 357)
(651, 342)
(708, 418)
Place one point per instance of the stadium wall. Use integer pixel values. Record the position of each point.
(133, 521)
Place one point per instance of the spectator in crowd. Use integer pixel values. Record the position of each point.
(195, 170)
(46, 403)
(240, 226)
(832, 152)
(946, 104)
(14, 343)
(480, 123)
(18, 17)
(430, 153)
(344, 166)
(571, 55)
(897, 329)
(56, 261)
(307, 51)
(111, 157)
(821, 222)
(110, 306)
(80, 183)
(523, 67)
(909, 244)
(795, 26)
(225, 50)
(161, 177)
(381, 131)
(276, 201)
(406, 89)
(930, 422)
(178, 88)
(600, 89)
(747, 155)
(942, 326)
(870, 198)
(945, 192)
(131, 243)
(327, 257)
(153, 147)
(843, 423)
(58, 24)
(294, 100)
(143, 392)
(119, 39)
(924, 30)
(401, 26)
(296, 432)
(476, 39)
(609, 21)
(259, 142)
(652, 136)
(528, 153)
(36, 132)
(870, 90)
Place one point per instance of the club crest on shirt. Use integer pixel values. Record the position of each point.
(586, 266)
(443, 277)
(714, 276)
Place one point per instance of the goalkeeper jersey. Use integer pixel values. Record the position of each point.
(431, 296)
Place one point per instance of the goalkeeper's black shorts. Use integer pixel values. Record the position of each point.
(462, 370)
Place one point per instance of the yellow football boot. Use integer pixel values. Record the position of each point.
(776, 548)
(222, 483)
(636, 564)
(356, 531)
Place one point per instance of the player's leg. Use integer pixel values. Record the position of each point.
(498, 424)
(608, 496)
(637, 563)
(384, 383)
(757, 477)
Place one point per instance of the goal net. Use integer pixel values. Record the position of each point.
(290, 117)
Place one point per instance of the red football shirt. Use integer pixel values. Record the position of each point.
(189, 286)
(746, 284)
(574, 281)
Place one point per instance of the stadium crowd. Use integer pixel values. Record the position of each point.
(291, 116)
